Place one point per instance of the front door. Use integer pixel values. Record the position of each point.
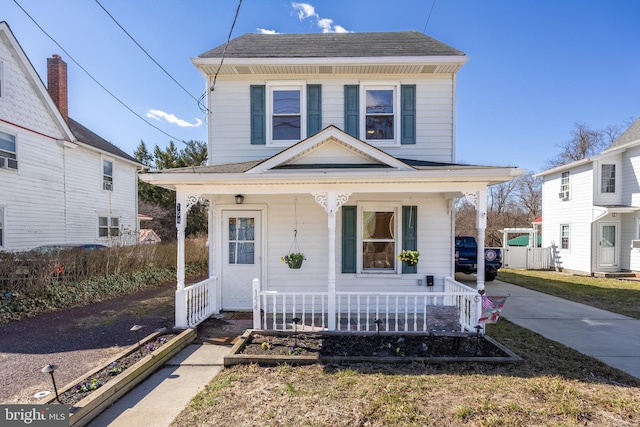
(607, 245)
(241, 260)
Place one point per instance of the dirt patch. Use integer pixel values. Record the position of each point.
(372, 345)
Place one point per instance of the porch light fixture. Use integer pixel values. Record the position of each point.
(50, 369)
(239, 199)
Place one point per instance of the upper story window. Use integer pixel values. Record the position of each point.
(287, 113)
(380, 109)
(108, 226)
(564, 181)
(565, 233)
(379, 114)
(107, 175)
(8, 154)
(608, 178)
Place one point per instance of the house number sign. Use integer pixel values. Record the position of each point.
(178, 214)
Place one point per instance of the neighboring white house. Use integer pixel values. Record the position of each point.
(342, 145)
(59, 182)
(591, 209)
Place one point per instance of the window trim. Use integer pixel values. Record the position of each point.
(565, 185)
(397, 118)
(109, 227)
(104, 179)
(602, 178)
(395, 207)
(568, 237)
(11, 157)
(285, 85)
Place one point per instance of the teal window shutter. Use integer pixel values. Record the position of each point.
(352, 110)
(408, 114)
(409, 234)
(314, 109)
(258, 115)
(349, 238)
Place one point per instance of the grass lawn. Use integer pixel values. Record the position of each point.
(617, 296)
(555, 386)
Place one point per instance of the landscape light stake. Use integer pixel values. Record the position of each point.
(295, 321)
(136, 328)
(378, 322)
(478, 329)
(51, 369)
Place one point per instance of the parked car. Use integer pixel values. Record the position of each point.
(467, 258)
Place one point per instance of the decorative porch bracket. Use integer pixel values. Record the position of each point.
(184, 202)
(331, 202)
(479, 200)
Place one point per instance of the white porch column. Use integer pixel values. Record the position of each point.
(481, 221)
(181, 300)
(331, 203)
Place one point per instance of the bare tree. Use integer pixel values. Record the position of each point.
(529, 195)
(584, 143)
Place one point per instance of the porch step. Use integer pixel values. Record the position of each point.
(614, 274)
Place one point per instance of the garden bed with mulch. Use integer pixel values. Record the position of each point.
(269, 348)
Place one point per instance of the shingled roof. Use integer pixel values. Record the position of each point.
(333, 45)
(86, 136)
(630, 135)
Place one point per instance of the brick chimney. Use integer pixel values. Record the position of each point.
(57, 84)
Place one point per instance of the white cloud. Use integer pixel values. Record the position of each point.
(305, 10)
(158, 115)
(265, 31)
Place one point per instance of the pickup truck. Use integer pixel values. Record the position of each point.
(466, 258)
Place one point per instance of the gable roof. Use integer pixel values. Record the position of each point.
(333, 45)
(72, 130)
(91, 139)
(631, 135)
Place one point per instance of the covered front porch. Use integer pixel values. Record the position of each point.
(351, 209)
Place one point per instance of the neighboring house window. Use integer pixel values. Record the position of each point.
(564, 181)
(608, 179)
(107, 175)
(8, 154)
(1, 227)
(108, 226)
(287, 109)
(564, 236)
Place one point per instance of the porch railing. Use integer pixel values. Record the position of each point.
(200, 301)
(358, 311)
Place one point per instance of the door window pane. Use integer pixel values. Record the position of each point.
(241, 241)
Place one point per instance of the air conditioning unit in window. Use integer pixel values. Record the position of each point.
(564, 195)
(108, 186)
(635, 244)
(7, 163)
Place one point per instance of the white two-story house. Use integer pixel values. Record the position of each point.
(59, 182)
(340, 146)
(591, 209)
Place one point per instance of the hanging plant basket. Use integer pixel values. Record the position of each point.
(294, 260)
(410, 258)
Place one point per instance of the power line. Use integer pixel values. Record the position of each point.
(94, 79)
(429, 17)
(224, 51)
(143, 49)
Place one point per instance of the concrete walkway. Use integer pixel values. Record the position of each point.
(609, 337)
(156, 401)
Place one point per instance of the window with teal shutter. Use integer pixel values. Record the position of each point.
(409, 235)
(349, 238)
(352, 110)
(314, 109)
(258, 117)
(408, 114)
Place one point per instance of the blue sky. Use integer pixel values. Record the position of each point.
(535, 67)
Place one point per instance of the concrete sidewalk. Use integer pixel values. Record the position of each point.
(609, 337)
(157, 400)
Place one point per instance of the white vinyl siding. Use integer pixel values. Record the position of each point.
(1, 80)
(229, 131)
